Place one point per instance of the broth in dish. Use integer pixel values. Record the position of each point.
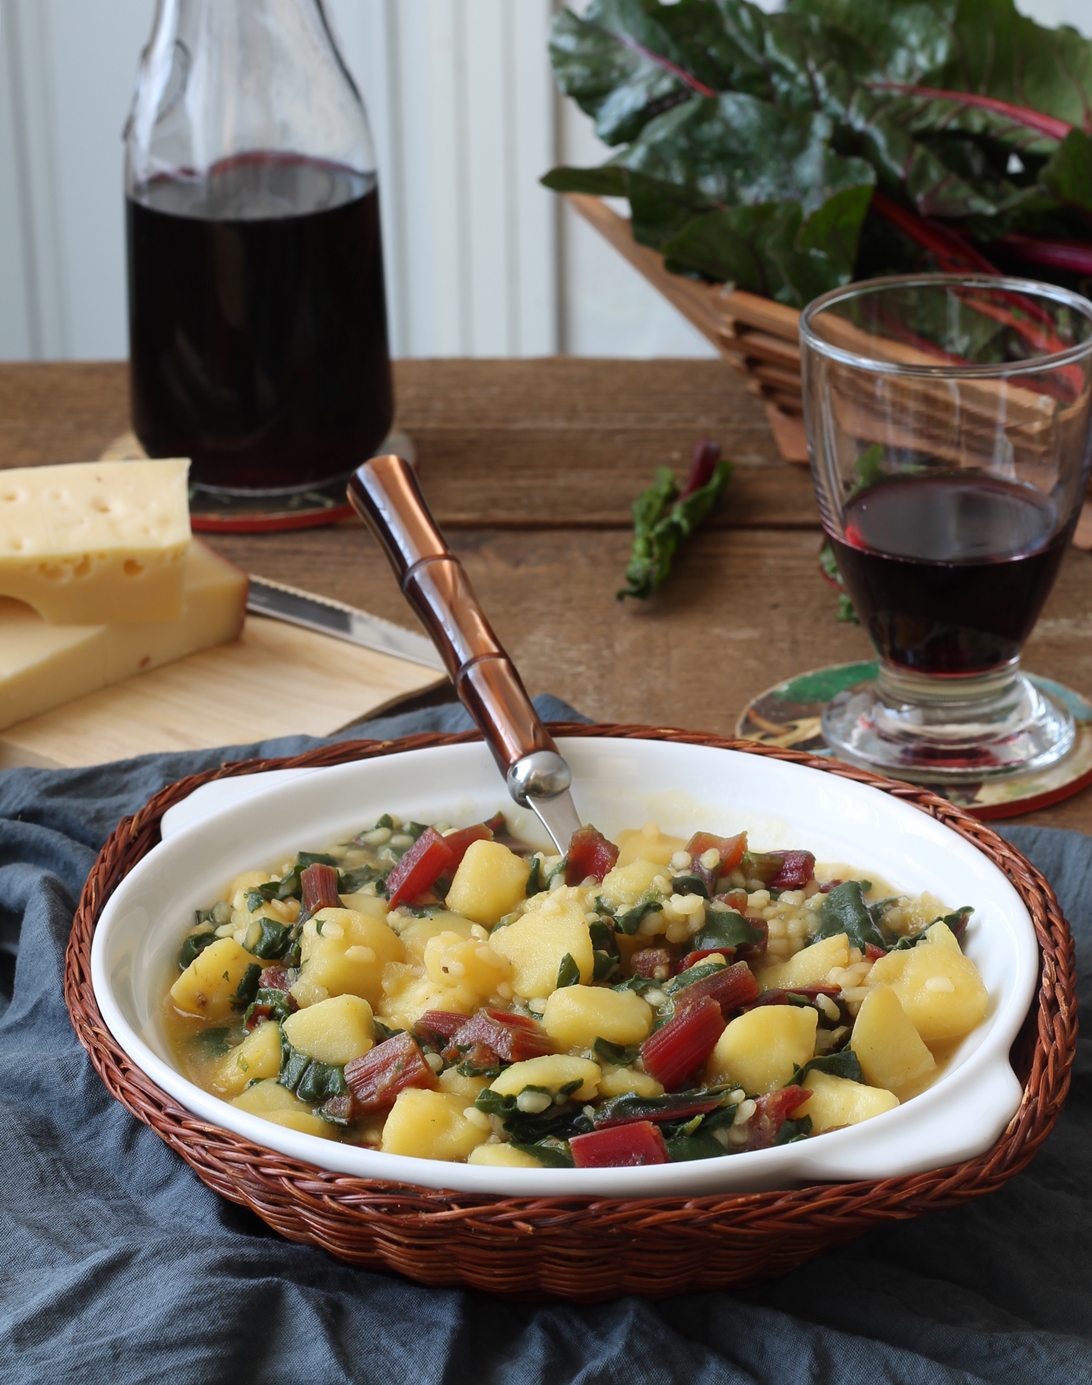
(455, 994)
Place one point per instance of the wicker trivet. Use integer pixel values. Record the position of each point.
(582, 1249)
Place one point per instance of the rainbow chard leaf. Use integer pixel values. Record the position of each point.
(662, 519)
(755, 149)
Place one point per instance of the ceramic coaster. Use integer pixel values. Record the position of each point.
(241, 512)
(789, 715)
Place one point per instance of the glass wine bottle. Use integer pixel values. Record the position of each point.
(257, 316)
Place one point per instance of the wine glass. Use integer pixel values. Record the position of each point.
(949, 422)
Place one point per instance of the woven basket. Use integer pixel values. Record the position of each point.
(580, 1248)
(757, 336)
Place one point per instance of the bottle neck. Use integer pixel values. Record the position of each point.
(221, 80)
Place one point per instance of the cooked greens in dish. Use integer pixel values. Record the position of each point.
(455, 994)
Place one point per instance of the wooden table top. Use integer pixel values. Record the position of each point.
(532, 466)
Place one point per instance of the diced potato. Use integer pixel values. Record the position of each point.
(209, 984)
(624, 886)
(369, 904)
(836, 1101)
(451, 960)
(502, 1157)
(759, 1050)
(348, 955)
(416, 934)
(537, 942)
(578, 1015)
(647, 844)
(551, 1072)
(811, 964)
(489, 882)
(268, 1096)
(456, 1083)
(431, 1125)
(247, 880)
(333, 1031)
(940, 934)
(304, 1122)
(940, 989)
(259, 1055)
(888, 1047)
(619, 1081)
(407, 994)
(275, 1103)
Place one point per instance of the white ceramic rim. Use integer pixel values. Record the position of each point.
(962, 1115)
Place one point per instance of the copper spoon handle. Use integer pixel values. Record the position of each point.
(385, 493)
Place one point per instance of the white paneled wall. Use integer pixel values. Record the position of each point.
(460, 97)
(461, 102)
(480, 259)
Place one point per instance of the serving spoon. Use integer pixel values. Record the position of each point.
(385, 494)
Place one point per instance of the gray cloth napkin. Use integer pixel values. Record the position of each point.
(119, 1266)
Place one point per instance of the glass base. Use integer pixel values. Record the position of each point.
(911, 726)
(219, 509)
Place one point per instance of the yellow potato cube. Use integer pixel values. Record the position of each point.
(551, 1072)
(418, 932)
(333, 1031)
(759, 1050)
(940, 989)
(810, 965)
(369, 904)
(259, 1055)
(624, 886)
(451, 960)
(940, 934)
(247, 880)
(647, 844)
(344, 952)
(456, 1084)
(576, 1016)
(536, 944)
(619, 1081)
(407, 995)
(502, 1157)
(275, 1103)
(888, 1047)
(304, 1122)
(209, 984)
(489, 882)
(431, 1125)
(836, 1101)
(268, 1096)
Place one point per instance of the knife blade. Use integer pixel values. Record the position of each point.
(344, 622)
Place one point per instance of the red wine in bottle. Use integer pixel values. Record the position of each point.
(949, 570)
(257, 321)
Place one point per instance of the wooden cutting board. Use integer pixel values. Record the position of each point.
(275, 680)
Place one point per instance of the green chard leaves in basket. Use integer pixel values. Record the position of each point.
(789, 153)
(663, 516)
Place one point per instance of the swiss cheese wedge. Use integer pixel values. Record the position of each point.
(42, 666)
(96, 542)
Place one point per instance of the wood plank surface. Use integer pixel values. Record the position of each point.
(532, 465)
(559, 441)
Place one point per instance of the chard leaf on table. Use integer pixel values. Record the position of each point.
(663, 518)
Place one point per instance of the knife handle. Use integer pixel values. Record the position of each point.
(385, 494)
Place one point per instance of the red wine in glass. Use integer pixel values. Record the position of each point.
(949, 570)
(257, 321)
